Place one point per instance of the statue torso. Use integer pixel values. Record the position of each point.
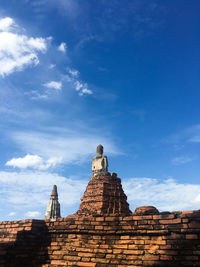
(100, 163)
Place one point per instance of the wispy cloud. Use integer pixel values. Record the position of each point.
(68, 145)
(85, 91)
(181, 160)
(82, 88)
(70, 80)
(35, 95)
(52, 66)
(69, 8)
(51, 89)
(140, 17)
(167, 195)
(73, 72)
(62, 47)
(79, 86)
(195, 139)
(16, 49)
(53, 85)
(184, 137)
(195, 133)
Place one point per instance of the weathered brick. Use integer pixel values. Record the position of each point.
(174, 221)
(86, 264)
(99, 219)
(166, 258)
(191, 236)
(82, 254)
(59, 262)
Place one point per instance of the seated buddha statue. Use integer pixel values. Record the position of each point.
(100, 162)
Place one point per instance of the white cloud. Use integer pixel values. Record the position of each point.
(6, 23)
(73, 72)
(27, 161)
(167, 195)
(82, 88)
(197, 199)
(73, 78)
(181, 160)
(33, 214)
(54, 85)
(33, 161)
(52, 162)
(78, 85)
(17, 50)
(85, 91)
(37, 43)
(62, 47)
(12, 213)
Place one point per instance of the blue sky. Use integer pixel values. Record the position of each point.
(121, 73)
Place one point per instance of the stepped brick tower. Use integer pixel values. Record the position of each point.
(104, 194)
(53, 207)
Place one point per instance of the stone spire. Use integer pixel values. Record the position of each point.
(104, 194)
(53, 207)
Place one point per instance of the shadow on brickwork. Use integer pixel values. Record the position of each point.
(29, 248)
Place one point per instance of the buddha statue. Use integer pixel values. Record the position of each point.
(100, 162)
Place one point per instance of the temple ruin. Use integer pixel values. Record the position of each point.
(103, 232)
(53, 207)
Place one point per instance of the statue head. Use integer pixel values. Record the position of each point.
(100, 150)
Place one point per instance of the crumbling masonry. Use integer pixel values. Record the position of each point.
(104, 232)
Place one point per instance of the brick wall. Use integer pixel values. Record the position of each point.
(104, 232)
(168, 239)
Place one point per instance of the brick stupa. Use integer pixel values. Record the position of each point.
(104, 194)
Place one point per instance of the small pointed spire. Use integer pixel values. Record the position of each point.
(53, 207)
(54, 191)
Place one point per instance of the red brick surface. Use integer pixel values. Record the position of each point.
(110, 239)
(104, 195)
